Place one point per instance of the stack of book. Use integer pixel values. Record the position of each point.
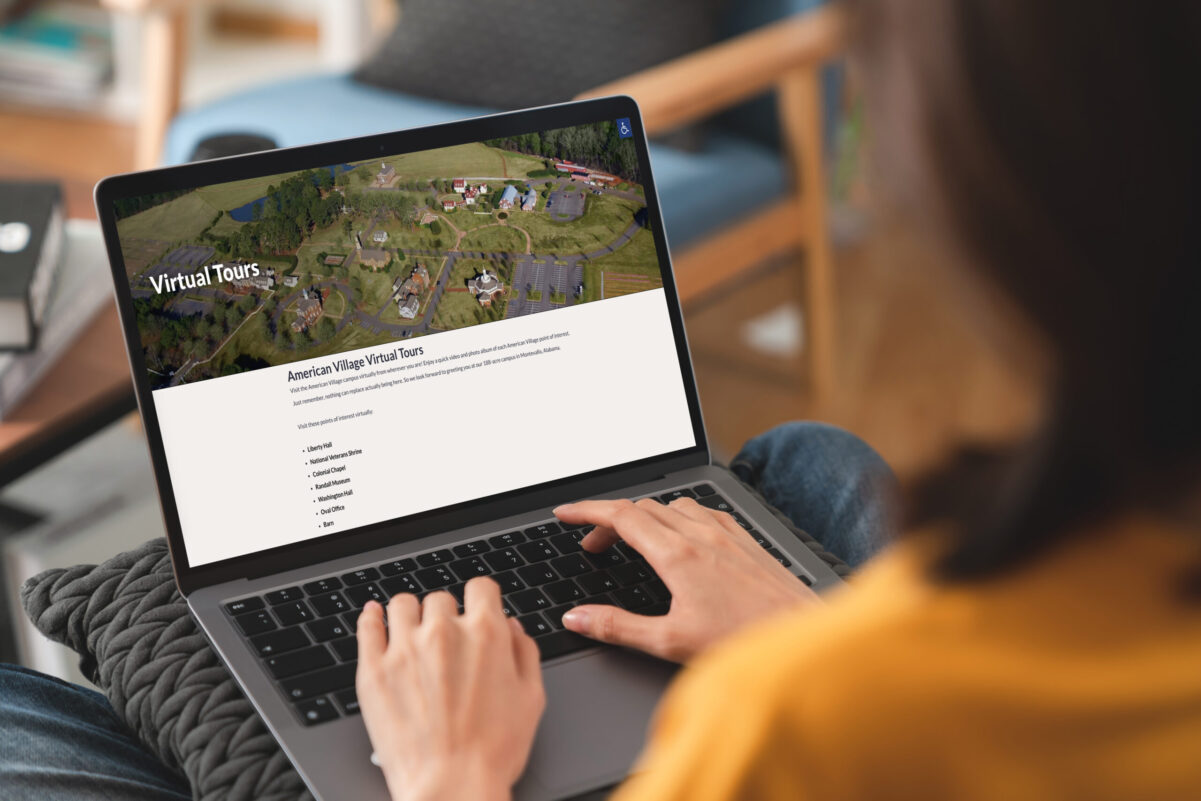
(58, 54)
(54, 278)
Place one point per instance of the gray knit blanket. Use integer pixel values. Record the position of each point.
(137, 642)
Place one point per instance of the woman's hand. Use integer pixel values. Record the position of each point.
(720, 578)
(451, 702)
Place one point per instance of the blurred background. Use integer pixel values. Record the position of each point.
(803, 300)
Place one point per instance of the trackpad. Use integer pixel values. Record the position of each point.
(597, 712)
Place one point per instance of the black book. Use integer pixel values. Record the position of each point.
(31, 238)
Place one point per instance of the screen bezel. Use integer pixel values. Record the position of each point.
(410, 527)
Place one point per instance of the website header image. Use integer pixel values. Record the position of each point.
(266, 271)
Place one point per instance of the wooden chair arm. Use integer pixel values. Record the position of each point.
(716, 77)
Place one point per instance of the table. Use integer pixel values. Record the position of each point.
(90, 386)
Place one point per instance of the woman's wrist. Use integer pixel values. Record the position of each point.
(450, 783)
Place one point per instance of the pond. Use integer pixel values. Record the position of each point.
(245, 212)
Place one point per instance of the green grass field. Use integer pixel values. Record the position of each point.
(637, 258)
(236, 193)
(474, 159)
(139, 254)
(605, 218)
(496, 238)
(178, 220)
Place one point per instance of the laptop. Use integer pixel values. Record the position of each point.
(375, 365)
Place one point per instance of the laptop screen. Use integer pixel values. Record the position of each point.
(357, 342)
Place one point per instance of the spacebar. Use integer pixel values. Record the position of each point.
(319, 682)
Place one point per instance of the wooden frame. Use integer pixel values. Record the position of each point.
(786, 56)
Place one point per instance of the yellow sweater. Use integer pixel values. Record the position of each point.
(1078, 677)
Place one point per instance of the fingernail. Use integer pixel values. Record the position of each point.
(575, 619)
(560, 508)
(371, 605)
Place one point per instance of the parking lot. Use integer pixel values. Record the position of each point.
(564, 206)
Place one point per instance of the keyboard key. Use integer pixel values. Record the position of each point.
(555, 616)
(302, 661)
(333, 603)
(293, 613)
(606, 558)
(470, 568)
(716, 502)
(316, 710)
(283, 596)
(360, 576)
(562, 592)
(503, 559)
(759, 538)
(508, 608)
(348, 701)
(534, 625)
(322, 586)
(704, 489)
(657, 590)
(597, 583)
(319, 682)
(808, 582)
(631, 598)
(530, 601)
(435, 578)
(779, 557)
(327, 628)
(243, 606)
(351, 619)
(279, 641)
(566, 543)
(571, 565)
(559, 643)
(675, 495)
(533, 575)
(506, 540)
(346, 648)
(742, 521)
(631, 573)
(657, 609)
(398, 566)
(398, 584)
(628, 551)
(543, 530)
(508, 581)
(360, 595)
(439, 557)
(536, 551)
(253, 623)
(474, 548)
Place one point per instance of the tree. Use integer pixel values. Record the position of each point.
(347, 226)
(435, 227)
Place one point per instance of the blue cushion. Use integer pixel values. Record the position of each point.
(699, 192)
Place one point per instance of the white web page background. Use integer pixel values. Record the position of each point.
(243, 471)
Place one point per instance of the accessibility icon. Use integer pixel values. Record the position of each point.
(624, 129)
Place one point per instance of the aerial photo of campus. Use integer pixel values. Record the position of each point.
(355, 255)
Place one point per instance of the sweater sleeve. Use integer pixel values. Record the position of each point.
(723, 733)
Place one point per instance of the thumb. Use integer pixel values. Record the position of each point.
(616, 626)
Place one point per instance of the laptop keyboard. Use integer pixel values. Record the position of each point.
(304, 634)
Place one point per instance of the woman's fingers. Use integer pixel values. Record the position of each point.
(618, 627)
(370, 627)
(481, 596)
(525, 652)
(404, 613)
(622, 519)
(439, 604)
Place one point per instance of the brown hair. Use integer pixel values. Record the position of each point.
(1058, 145)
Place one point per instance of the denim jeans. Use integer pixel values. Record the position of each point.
(62, 741)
